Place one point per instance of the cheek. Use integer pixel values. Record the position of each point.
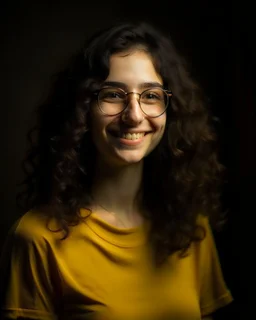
(161, 130)
(99, 124)
(161, 124)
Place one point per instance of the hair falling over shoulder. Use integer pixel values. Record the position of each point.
(182, 176)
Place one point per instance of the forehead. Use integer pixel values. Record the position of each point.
(133, 68)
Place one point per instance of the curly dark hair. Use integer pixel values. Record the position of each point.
(182, 177)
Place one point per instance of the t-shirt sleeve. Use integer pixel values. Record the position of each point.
(214, 293)
(27, 276)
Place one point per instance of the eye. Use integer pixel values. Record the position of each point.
(111, 95)
(153, 95)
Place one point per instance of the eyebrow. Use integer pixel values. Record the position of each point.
(124, 86)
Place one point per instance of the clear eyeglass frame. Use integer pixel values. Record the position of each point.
(168, 94)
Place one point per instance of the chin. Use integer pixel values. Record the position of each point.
(129, 160)
(132, 157)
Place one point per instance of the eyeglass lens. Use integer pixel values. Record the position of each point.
(153, 101)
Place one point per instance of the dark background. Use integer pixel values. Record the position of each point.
(215, 37)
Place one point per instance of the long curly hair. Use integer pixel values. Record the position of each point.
(182, 177)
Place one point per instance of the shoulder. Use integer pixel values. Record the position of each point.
(34, 226)
(30, 239)
(204, 251)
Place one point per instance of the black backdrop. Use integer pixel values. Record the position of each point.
(216, 38)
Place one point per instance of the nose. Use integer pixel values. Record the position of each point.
(133, 114)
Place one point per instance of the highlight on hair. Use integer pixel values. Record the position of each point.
(182, 176)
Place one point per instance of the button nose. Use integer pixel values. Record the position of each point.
(133, 113)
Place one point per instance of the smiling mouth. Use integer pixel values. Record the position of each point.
(133, 136)
(129, 135)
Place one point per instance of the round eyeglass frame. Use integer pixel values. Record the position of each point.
(168, 93)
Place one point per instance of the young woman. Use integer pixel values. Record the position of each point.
(124, 191)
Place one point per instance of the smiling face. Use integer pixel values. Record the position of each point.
(128, 137)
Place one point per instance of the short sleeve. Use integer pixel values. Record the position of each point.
(214, 293)
(27, 276)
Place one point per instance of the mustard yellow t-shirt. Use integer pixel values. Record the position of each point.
(103, 272)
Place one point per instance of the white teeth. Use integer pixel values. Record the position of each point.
(133, 136)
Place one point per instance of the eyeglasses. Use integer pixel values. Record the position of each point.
(153, 102)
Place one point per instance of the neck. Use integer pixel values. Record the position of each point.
(116, 189)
